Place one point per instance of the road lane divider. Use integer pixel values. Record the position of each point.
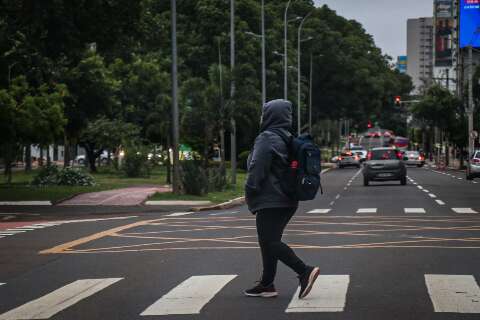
(440, 202)
(320, 211)
(414, 210)
(431, 195)
(367, 210)
(190, 296)
(58, 300)
(453, 293)
(328, 294)
(464, 210)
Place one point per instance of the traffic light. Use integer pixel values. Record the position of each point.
(398, 100)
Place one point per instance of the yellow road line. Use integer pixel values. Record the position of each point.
(69, 245)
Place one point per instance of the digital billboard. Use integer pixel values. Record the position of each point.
(469, 23)
(444, 24)
(402, 64)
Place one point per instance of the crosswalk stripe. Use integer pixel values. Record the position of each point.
(190, 296)
(58, 300)
(414, 210)
(464, 210)
(329, 294)
(440, 202)
(320, 211)
(6, 234)
(431, 195)
(453, 293)
(367, 210)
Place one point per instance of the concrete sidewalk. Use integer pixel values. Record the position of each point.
(119, 197)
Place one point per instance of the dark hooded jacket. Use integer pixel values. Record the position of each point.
(269, 159)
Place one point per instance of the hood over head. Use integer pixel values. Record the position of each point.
(277, 114)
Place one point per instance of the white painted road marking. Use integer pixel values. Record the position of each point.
(329, 294)
(431, 195)
(1, 283)
(178, 214)
(58, 300)
(25, 203)
(190, 296)
(420, 187)
(367, 210)
(414, 210)
(453, 293)
(425, 190)
(464, 210)
(320, 211)
(440, 202)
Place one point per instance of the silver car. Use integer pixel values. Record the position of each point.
(348, 159)
(414, 158)
(473, 167)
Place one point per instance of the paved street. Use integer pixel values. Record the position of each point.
(385, 252)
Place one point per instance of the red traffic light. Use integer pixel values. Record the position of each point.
(398, 100)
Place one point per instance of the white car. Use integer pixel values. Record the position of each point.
(82, 158)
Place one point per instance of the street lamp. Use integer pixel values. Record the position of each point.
(175, 116)
(264, 77)
(299, 40)
(285, 57)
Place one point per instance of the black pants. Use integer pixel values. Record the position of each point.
(270, 226)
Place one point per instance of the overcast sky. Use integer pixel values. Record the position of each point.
(385, 20)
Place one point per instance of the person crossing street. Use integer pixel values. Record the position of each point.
(270, 204)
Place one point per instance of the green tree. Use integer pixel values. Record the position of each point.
(104, 134)
(29, 115)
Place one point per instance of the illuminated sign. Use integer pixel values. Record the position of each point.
(469, 23)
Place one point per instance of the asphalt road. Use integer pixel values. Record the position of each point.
(385, 252)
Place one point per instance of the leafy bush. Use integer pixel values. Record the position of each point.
(74, 177)
(136, 164)
(195, 181)
(242, 159)
(51, 175)
(217, 178)
(46, 176)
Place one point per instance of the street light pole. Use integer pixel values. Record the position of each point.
(264, 66)
(285, 52)
(310, 96)
(176, 164)
(299, 84)
(471, 141)
(233, 131)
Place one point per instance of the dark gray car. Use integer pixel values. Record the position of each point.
(384, 164)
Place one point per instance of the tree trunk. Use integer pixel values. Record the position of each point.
(49, 160)
(91, 158)
(55, 152)
(66, 151)
(28, 158)
(169, 172)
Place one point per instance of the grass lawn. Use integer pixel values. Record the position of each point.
(20, 189)
(215, 197)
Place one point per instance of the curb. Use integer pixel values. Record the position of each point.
(25, 203)
(225, 205)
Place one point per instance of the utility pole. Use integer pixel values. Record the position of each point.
(285, 52)
(233, 129)
(176, 164)
(264, 64)
(299, 80)
(310, 96)
(222, 111)
(471, 140)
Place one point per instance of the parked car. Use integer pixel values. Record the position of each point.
(82, 159)
(473, 166)
(384, 164)
(414, 158)
(347, 159)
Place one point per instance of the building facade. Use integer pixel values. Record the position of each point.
(420, 42)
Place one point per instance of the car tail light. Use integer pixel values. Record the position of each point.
(357, 158)
(399, 156)
(421, 158)
(369, 155)
(340, 158)
(476, 160)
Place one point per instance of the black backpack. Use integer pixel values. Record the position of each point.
(301, 179)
